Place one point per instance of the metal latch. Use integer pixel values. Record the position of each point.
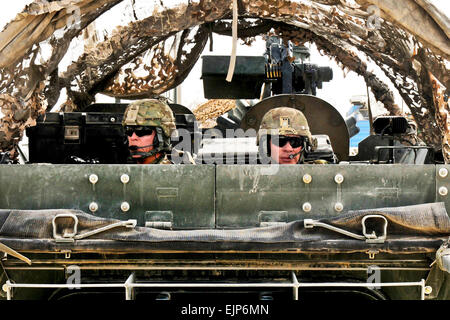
(272, 218)
(159, 219)
(72, 236)
(369, 238)
(159, 224)
(71, 133)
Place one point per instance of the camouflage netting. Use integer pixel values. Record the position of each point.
(407, 39)
(207, 112)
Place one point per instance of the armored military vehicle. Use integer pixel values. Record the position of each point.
(79, 221)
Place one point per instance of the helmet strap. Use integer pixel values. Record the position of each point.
(305, 149)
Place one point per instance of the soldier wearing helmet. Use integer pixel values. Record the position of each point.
(284, 136)
(149, 124)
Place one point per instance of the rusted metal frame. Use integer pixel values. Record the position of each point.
(213, 268)
(240, 264)
(277, 263)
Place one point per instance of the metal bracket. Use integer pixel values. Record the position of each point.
(71, 237)
(67, 253)
(372, 253)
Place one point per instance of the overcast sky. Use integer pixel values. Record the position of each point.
(337, 92)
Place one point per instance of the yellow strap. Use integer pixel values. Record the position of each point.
(234, 45)
(14, 253)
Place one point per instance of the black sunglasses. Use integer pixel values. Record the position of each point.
(139, 131)
(280, 141)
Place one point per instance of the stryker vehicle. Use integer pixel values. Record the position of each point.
(78, 221)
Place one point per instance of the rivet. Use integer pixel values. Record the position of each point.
(443, 191)
(93, 178)
(125, 178)
(443, 172)
(428, 290)
(112, 119)
(125, 206)
(93, 206)
(307, 178)
(339, 178)
(338, 207)
(307, 207)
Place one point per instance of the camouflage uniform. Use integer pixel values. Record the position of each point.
(156, 114)
(286, 121)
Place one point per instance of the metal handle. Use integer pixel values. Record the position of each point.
(66, 237)
(129, 224)
(310, 223)
(71, 237)
(372, 237)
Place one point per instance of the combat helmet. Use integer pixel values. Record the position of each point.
(152, 113)
(286, 121)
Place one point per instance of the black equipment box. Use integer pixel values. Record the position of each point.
(248, 77)
(93, 137)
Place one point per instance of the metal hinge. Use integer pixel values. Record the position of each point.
(159, 224)
(272, 218)
(159, 219)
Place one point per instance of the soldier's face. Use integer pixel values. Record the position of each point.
(143, 143)
(281, 153)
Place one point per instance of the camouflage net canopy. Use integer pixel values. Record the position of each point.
(156, 49)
